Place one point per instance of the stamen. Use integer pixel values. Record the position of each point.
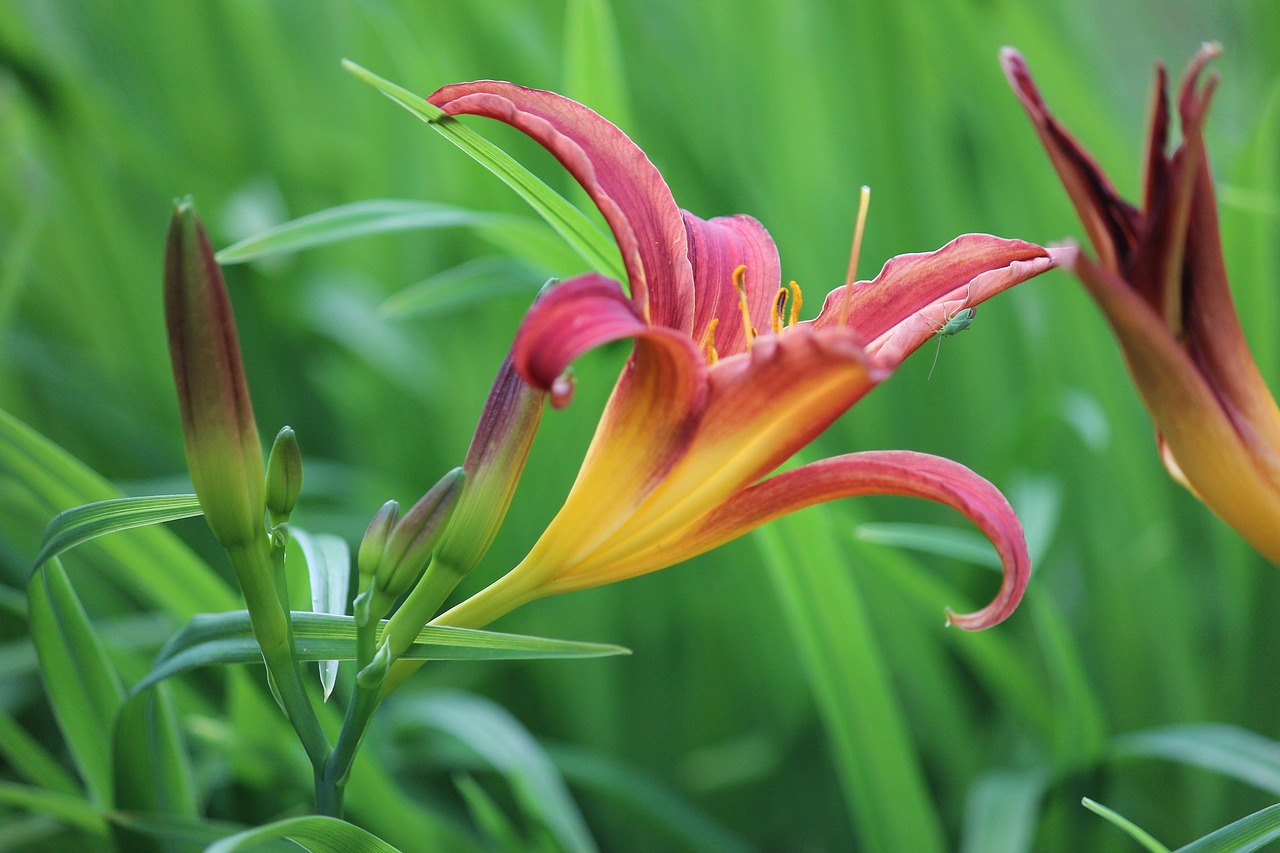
(795, 304)
(864, 201)
(780, 309)
(740, 282)
(709, 342)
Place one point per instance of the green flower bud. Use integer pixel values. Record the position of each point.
(284, 475)
(375, 542)
(414, 538)
(223, 450)
(372, 676)
(494, 464)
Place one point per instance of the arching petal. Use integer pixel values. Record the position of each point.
(644, 432)
(915, 295)
(566, 321)
(627, 188)
(1228, 463)
(1112, 223)
(760, 409)
(716, 248)
(890, 472)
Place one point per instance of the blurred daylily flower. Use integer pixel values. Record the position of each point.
(725, 383)
(1161, 281)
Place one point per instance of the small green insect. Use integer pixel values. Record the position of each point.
(953, 325)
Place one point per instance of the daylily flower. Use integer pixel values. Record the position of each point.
(1161, 281)
(725, 383)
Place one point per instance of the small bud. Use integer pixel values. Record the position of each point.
(360, 609)
(375, 673)
(414, 538)
(224, 454)
(284, 475)
(375, 542)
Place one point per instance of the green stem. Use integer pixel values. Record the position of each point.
(274, 632)
(420, 606)
(328, 796)
(417, 609)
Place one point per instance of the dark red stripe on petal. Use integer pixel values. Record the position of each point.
(915, 294)
(1113, 225)
(568, 320)
(717, 247)
(620, 179)
(893, 472)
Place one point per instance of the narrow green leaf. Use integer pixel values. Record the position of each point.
(931, 539)
(593, 71)
(580, 232)
(1002, 811)
(329, 568)
(26, 757)
(72, 810)
(82, 686)
(187, 833)
(150, 562)
(152, 771)
(357, 219)
(493, 823)
(497, 737)
(461, 286)
(1134, 831)
(226, 638)
(879, 771)
(671, 815)
(1240, 754)
(1248, 833)
(80, 524)
(316, 833)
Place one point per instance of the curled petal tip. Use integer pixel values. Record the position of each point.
(1010, 56)
(1065, 255)
(1209, 49)
(562, 389)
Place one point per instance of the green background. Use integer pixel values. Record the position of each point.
(739, 700)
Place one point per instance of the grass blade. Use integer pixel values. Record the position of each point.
(1134, 831)
(931, 539)
(316, 833)
(570, 223)
(25, 756)
(1002, 811)
(359, 219)
(82, 685)
(507, 746)
(151, 562)
(1249, 833)
(226, 638)
(1240, 754)
(152, 771)
(460, 287)
(80, 524)
(593, 72)
(879, 770)
(72, 810)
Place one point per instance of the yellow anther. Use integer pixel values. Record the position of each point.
(796, 302)
(864, 201)
(709, 342)
(780, 309)
(740, 282)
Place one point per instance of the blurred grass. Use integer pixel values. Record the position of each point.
(1147, 612)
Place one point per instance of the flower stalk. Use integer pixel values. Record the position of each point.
(224, 455)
